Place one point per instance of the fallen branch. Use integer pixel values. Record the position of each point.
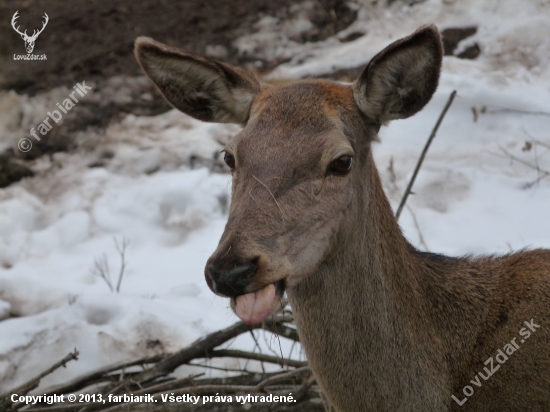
(197, 389)
(115, 381)
(284, 376)
(100, 375)
(227, 353)
(5, 399)
(204, 345)
(302, 391)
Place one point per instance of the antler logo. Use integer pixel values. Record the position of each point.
(29, 40)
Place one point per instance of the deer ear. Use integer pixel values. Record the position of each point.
(402, 78)
(201, 87)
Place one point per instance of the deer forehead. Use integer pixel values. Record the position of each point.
(310, 103)
(297, 120)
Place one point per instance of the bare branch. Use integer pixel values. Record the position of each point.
(101, 269)
(423, 154)
(523, 162)
(420, 237)
(282, 377)
(227, 353)
(543, 144)
(121, 249)
(519, 111)
(541, 172)
(34, 382)
(283, 330)
(256, 345)
(202, 347)
(96, 376)
(206, 389)
(302, 391)
(151, 381)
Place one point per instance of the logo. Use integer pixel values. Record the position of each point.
(29, 40)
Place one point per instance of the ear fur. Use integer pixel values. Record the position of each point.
(203, 88)
(401, 79)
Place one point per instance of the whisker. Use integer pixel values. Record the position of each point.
(277, 203)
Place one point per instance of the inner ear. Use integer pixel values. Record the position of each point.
(401, 79)
(203, 88)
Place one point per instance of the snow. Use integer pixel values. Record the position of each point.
(470, 196)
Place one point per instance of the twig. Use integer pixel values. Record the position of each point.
(283, 376)
(218, 368)
(101, 269)
(283, 330)
(121, 249)
(291, 349)
(164, 386)
(270, 343)
(93, 377)
(302, 391)
(147, 381)
(256, 345)
(201, 347)
(228, 353)
(534, 182)
(540, 172)
(34, 382)
(415, 221)
(523, 162)
(225, 389)
(423, 154)
(519, 111)
(545, 145)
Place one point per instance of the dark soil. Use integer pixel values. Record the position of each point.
(452, 36)
(93, 39)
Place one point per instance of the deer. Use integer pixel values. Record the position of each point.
(29, 40)
(385, 326)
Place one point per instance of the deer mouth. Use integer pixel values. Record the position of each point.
(253, 308)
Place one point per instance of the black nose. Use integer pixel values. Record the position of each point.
(233, 282)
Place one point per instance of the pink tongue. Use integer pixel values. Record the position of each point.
(254, 307)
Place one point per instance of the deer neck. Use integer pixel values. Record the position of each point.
(370, 262)
(362, 305)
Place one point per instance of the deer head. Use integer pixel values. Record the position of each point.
(29, 40)
(301, 163)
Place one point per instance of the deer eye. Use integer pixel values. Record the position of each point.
(341, 166)
(229, 160)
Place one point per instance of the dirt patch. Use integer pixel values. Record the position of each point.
(91, 40)
(11, 170)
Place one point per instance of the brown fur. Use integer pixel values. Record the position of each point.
(385, 326)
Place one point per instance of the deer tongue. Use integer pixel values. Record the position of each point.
(254, 307)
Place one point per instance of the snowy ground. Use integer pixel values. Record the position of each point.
(470, 196)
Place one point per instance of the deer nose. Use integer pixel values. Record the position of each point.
(233, 282)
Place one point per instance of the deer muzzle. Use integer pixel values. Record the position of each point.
(251, 300)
